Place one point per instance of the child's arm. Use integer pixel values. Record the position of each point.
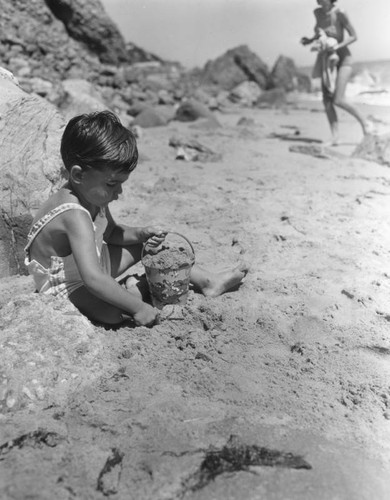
(306, 40)
(82, 241)
(349, 29)
(123, 235)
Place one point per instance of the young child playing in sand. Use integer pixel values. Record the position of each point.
(75, 249)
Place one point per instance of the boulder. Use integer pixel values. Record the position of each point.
(150, 117)
(36, 85)
(245, 94)
(13, 234)
(30, 166)
(192, 110)
(77, 96)
(285, 75)
(234, 67)
(165, 97)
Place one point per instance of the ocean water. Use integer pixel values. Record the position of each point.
(369, 84)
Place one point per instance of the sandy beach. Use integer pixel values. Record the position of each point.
(296, 362)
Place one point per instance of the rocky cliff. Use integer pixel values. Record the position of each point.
(55, 39)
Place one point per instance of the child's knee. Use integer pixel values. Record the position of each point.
(110, 317)
(327, 100)
(339, 101)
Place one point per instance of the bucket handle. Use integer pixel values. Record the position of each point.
(177, 234)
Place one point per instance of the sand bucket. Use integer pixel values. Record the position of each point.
(168, 272)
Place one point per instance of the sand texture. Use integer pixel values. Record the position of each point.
(277, 390)
(169, 258)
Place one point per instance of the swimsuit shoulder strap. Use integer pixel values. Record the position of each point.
(49, 216)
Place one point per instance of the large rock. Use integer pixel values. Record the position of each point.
(30, 166)
(150, 117)
(234, 67)
(286, 75)
(77, 96)
(191, 110)
(13, 232)
(245, 94)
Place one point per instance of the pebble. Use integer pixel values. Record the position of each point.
(28, 393)
(10, 402)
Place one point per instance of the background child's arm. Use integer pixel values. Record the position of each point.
(306, 40)
(349, 29)
(82, 241)
(123, 235)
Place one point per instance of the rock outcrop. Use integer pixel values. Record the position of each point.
(30, 166)
(234, 67)
(286, 75)
(86, 21)
(33, 42)
(56, 39)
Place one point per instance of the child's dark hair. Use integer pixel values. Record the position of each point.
(98, 140)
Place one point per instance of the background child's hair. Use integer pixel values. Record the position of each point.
(98, 140)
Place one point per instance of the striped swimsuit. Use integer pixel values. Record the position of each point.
(62, 277)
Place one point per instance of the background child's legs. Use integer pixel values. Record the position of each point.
(331, 114)
(96, 309)
(339, 100)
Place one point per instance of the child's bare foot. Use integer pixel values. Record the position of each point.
(219, 283)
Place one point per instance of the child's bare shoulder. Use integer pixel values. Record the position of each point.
(341, 13)
(56, 200)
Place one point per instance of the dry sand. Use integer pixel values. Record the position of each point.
(297, 360)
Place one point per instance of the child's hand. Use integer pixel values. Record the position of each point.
(305, 40)
(146, 316)
(153, 236)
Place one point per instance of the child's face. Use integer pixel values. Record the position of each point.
(101, 187)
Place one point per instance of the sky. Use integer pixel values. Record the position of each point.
(194, 31)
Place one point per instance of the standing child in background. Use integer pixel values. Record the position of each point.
(333, 21)
(75, 249)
